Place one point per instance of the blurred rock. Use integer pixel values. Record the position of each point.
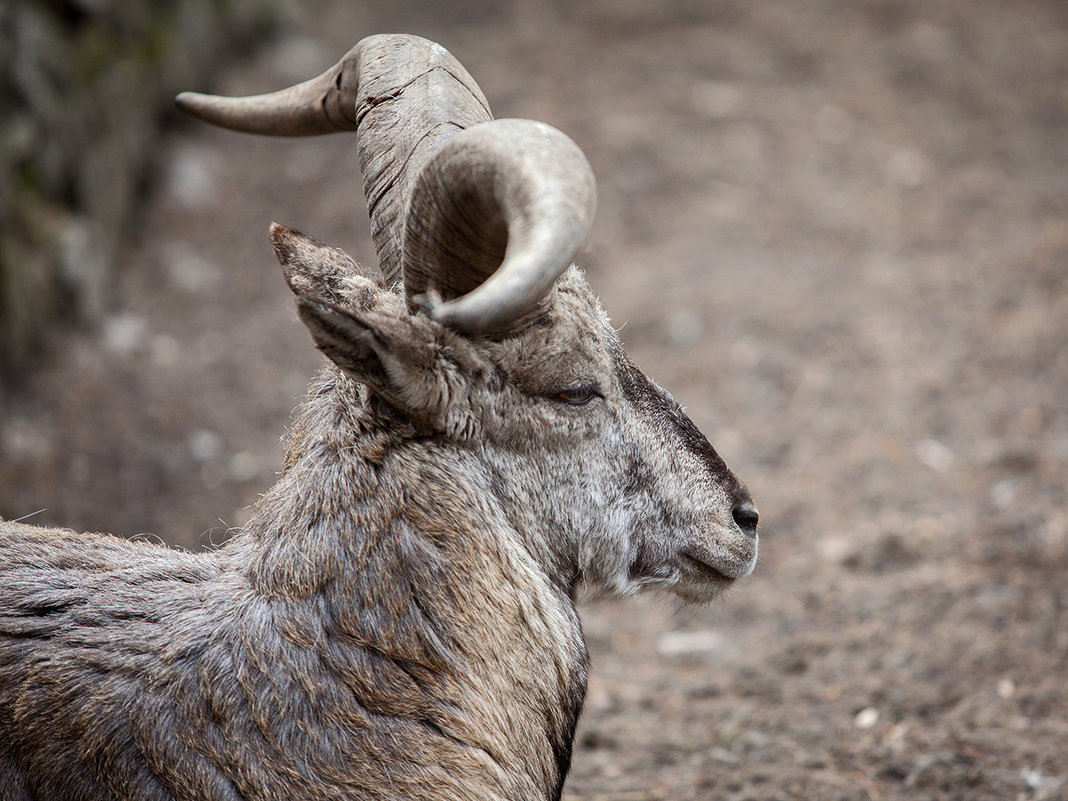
(673, 643)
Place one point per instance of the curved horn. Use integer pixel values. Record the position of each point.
(495, 216)
(321, 105)
(403, 95)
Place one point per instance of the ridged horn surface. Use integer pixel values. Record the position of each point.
(495, 216)
(403, 95)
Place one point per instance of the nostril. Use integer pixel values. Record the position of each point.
(746, 516)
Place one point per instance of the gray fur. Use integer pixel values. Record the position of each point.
(397, 619)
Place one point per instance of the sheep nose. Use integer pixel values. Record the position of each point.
(746, 516)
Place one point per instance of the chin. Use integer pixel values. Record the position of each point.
(702, 592)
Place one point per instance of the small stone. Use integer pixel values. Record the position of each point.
(1003, 494)
(674, 643)
(124, 332)
(204, 445)
(722, 755)
(866, 718)
(935, 455)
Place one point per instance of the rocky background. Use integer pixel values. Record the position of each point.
(838, 232)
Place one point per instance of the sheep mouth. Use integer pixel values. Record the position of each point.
(704, 567)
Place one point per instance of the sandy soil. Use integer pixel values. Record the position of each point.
(837, 231)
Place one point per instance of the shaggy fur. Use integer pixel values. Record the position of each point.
(397, 619)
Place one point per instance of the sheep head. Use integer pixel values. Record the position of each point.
(611, 486)
(479, 334)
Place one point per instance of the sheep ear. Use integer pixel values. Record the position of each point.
(366, 330)
(395, 355)
(312, 268)
(343, 337)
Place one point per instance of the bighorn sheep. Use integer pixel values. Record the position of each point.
(397, 619)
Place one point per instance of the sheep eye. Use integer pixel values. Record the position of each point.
(578, 396)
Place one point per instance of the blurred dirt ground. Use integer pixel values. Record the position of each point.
(838, 232)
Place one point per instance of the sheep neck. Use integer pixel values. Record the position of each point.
(432, 608)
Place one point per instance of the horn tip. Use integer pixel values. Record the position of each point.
(192, 103)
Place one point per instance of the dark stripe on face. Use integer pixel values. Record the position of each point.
(664, 412)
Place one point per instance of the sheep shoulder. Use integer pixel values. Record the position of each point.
(357, 647)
